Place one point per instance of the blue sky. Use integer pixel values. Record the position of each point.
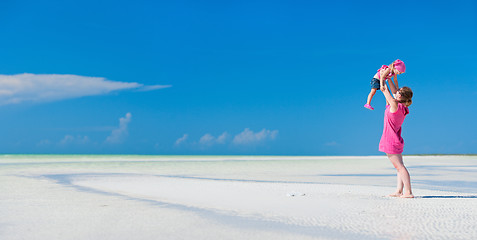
(232, 77)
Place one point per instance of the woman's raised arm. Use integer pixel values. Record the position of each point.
(389, 98)
(393, 87)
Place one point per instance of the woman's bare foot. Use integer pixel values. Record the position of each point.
(407, 196)
(396, 194)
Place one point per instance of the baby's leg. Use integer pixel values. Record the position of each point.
(371, 95)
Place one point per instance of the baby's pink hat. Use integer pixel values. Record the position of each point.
(399, 65)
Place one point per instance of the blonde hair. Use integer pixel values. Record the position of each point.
(406, 96)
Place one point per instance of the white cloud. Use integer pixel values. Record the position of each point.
(44, 142)
(250, 137)
(119, 134)
(246, 137)
(181, 140)
(222, 138)
(153, 87)
(29, 87)
(69, 139)
(209, 140)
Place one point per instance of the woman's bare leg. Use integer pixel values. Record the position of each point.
(403, 179)
(399, 187)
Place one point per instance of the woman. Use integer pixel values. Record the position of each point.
(391, 141)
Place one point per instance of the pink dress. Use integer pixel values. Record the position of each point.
(391, 140)
(384, 67)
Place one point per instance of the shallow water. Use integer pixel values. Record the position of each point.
(448, 173)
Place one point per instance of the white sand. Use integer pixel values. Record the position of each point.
(154, 197)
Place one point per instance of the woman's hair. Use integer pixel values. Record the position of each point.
(406, 96)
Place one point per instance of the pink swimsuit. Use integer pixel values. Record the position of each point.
(391, 140)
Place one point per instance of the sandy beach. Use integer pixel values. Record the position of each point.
(234, 197)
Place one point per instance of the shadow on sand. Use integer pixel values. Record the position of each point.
(446, 197)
